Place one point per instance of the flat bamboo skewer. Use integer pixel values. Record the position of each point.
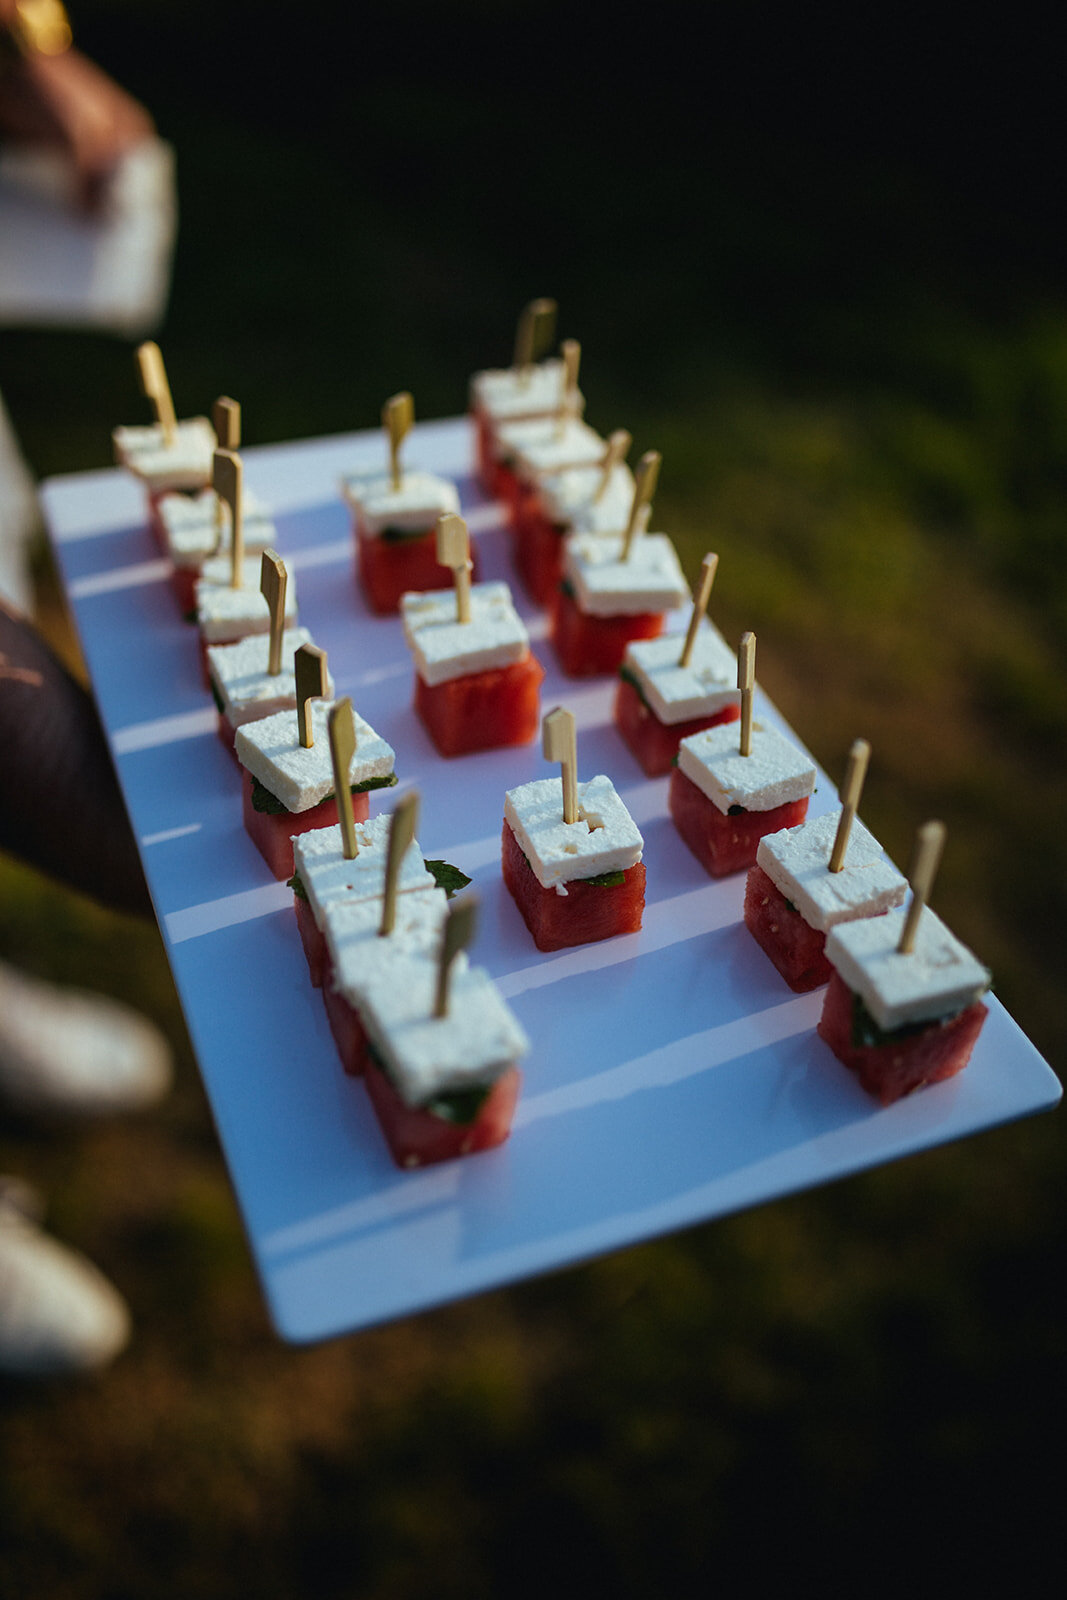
(309, 665)
(646, 476)
(534, 334)
(273, 582)
(226, 420)
(559, 743)
(746, 682)
(618, 449)
(571, 352)
(458, 935)
(153, 376)
(226, 477)
(708, 568)
(454, 550)
(398, 417)
(855, 773)
(342, 748)
(401, 833)
(925, 860)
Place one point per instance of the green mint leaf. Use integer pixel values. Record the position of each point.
(295, 883)
(447, 877)
(395, 535)
(606, 880)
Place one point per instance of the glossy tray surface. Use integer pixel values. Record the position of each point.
(673, 1076)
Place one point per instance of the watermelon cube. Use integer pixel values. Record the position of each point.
(725, 841)
(796, 948)
(388, 568)
(417, 1136)
(890, 1065)
(482, 710)
(587, 913)
(587, 645)
(653, 743)
(272, 832)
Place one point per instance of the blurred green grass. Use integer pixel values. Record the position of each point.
(848, 335)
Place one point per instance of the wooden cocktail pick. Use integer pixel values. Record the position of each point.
(746, 682)
(153, 376)
(534, 334)
(851, 789)
(273, 582)
(226, 420)
(708, 568)
(646, 477)
(559, 743)
(226, 476)
(398, 417)
(342, 748)
(401, 832)
(458, 934)
(925, 860)
(617, 451)
(309, 664)
(571, 352)
(454, 550)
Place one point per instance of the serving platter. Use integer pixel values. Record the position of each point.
(673, 1077)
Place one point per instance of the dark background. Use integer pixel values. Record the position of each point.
(819, 262)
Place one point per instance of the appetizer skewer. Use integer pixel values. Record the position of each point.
(395, 516)
(476, 679)
(572, 862)
(616, 587)
(666, 693)
(810, 878)
(904, 1005)
(730, 788)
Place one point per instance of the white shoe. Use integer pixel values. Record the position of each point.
(58, 1313)
(67, 1051)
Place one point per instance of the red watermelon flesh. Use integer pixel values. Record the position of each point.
(347, 1029)
(417, 1137)
(587, 645)
(388, 568)
(313, 940)
(272, 833)
(722, 841)
(482, 710)
(915, 1056)
(585, 914)
(655, 743)
(797, 949)
(538, 550)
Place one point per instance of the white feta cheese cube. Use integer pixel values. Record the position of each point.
(411, 510)
(676, 693)
(328, 877)
(225, 613)
(540, 445)
(604, 585)
(604, 839)
(567, 499)
(510, 394)
(775, 772)
(444, 648)
(242, 683)
(797, 861)
(426, 1056)
(190, 526)
(184, 464)
(361, 954)
(302, 777)
(939, 978)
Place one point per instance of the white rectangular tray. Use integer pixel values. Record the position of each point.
(673, 1076)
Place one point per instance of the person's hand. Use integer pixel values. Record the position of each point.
(62, 101)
